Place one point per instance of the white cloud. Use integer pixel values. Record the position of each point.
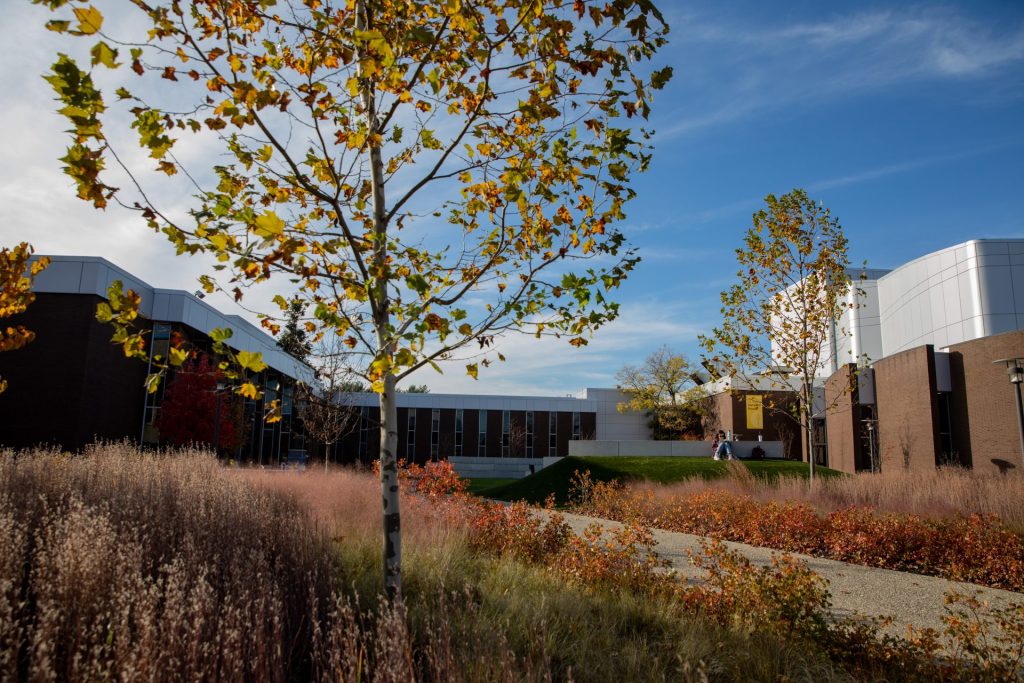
(761, 68)
(551, 366)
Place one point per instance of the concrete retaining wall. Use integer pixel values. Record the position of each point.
(498, 468)
(691, 449)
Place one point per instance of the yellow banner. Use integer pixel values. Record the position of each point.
(755, 412)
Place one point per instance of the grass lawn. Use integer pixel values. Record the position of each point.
(481, 486)
(556, 479)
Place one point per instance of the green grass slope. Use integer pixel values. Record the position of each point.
(664, 470)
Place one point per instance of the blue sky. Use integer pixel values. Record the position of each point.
(907, 120)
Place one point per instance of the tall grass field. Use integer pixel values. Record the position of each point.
(116, 565)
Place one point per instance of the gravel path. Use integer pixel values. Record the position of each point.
(911, 599)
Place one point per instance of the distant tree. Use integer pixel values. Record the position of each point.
(793, 287)
(415, 389)
(16, 295)
(667, 388)
(326, 408)
(189, 409)
(294, 339)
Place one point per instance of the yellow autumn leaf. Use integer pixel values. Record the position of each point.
(90, 20)
(269, 224)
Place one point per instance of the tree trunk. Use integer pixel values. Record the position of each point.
(808, 432)
(385, 345)
(389, 490)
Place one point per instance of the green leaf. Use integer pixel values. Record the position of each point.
(177, 357)
(105, 55)
(221, 334)
(104, 313)
(152, 383)
(251, 361)
(472, 370)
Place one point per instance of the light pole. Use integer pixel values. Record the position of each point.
(1015, 373)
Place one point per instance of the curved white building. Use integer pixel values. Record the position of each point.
(967, 291)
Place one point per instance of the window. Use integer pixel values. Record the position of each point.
(553, 434)
(458, 432)
(482, 443)
(946, 454)
(435, 428)
(410, 440)
(576, 426)
(529, 434)
(506, 433)
(364, 431)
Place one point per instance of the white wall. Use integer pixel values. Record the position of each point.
(684, 449)
(964, 292)
(613, 425)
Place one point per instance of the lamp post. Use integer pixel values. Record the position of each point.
(1015, 373)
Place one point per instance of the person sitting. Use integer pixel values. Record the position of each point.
(721, 448)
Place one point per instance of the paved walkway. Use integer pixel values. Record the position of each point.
(911, 599)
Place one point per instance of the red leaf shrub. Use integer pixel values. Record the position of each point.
(978, 549)
(189, 409)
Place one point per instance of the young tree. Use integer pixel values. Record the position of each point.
(16, 276)
(192, 406)
(429, 174)
(666, 387)
(793, 287)
(327, 410)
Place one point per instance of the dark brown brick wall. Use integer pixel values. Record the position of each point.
(540, 428)
(446, 441)
(588, 426)
(493, 434)
(564, 422)
(842, 418)
(984, 407)
(470, 432)
(907, 409)
(729, 413)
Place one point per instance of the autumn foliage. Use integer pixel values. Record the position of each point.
(16, 295)
(977, 548)
(189, 409)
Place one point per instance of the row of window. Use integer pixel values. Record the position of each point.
(522, 441)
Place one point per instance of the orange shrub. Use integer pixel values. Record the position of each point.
(980, 548)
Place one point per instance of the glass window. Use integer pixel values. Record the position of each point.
(576, 426)
(458, 432)
(364, 431)
(482, 442)
(553, 434)
(410, 439)
(529, 434)
(506, 432)
(435, 429)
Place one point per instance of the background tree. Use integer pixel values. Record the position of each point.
(793, 287)
(428, 174)
(327, 410)
(667, 388)
(189, 411)
(16, 276)
(416, 389)
(294, 338)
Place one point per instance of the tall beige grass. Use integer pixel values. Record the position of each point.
(944, 492)
(170, 567)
